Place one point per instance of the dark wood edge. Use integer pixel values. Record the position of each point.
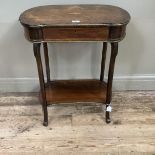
(108, 41)
(53, 41)
(75, 25)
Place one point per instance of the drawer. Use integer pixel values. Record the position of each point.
(75, 34)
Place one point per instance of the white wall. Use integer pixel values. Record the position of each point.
(135, 65)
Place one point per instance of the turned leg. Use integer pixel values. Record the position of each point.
(36, 48)
(46, 61)
(114, 51)
(103, 61)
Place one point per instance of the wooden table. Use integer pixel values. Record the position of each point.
(74, 23)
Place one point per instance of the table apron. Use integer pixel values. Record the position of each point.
(47, 34)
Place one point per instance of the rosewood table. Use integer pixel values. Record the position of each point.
(74, 23)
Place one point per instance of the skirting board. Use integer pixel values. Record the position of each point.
(146, 82)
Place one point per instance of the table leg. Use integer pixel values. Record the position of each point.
(36, 49)
(46, 61)
(114, 51)
(103, 61)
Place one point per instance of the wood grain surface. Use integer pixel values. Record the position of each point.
(58, 15)
(76, 34)
(78, 129)
(75, 23)
(68, 91)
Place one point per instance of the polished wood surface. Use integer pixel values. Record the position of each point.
(76, 34)
(71, 91)
(45, 47)
(36, 49)
(114, 52)
(70, 15)
(104, 50)
(75, 23)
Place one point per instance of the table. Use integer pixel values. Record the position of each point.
(75, 23)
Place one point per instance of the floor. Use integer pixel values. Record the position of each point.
(78, 129)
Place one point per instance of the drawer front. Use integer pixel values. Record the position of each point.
(75, 34)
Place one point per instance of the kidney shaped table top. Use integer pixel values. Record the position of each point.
(103, 22)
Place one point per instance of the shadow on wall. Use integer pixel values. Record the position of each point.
(67, 60)
(75, 60)
(83, 59)
(15, 51)
(16, 60)
(129, 56)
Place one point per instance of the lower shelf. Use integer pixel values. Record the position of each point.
(69, 91)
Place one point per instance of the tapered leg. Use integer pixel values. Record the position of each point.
(103, 61)
(46, 61)
(36, 48)
(114, 51)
